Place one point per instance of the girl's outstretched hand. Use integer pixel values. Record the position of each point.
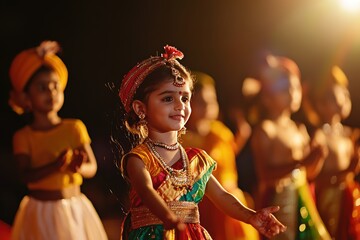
(266, 223)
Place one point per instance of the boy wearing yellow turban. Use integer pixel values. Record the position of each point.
(52, 154)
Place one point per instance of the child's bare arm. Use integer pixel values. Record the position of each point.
(29, 174)
(263, 220)
(141, 181)
(314, 161)
(226, 201)
(85, 161)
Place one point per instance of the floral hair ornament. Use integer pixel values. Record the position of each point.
(137, 74)
(171, 54)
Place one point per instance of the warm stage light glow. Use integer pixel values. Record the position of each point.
(350, 5)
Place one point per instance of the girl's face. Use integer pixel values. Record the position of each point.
(284, 93)
(334, 102)
(205, 104)
(168, 107)
(45, 93)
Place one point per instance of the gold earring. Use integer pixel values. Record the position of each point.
(182, 131)
(141, 126)
(142, 121)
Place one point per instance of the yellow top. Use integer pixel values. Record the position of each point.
(44, 147)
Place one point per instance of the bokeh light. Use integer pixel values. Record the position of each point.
(350, 5)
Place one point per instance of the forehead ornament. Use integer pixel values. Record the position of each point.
(134, 78)
(179, 81)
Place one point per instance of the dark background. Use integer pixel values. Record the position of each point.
(102, 40)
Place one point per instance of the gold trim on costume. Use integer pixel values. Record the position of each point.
(187, 211)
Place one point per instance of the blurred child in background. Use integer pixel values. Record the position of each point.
(206, 131)
(327, 103)
(52, 154)
(284, 156)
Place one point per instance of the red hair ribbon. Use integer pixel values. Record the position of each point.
(138, 73)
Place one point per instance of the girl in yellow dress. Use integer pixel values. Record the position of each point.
(52, 154)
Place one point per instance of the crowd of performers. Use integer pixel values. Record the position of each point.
(182, 162)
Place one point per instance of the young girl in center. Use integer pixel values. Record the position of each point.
(167, 181)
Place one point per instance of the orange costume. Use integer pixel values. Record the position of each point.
(140, 223)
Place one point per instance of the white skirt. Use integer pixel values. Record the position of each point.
(66, 219)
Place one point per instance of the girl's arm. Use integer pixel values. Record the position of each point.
(84, 161)
(243, 131)
(315, 153)
(314, 161)
(355, 160)
(141, 181)
(28, 174)
(263, 220)
(351, 171)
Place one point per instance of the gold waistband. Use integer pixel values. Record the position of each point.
(187, 211)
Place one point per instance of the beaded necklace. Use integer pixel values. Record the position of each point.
(171, 147)
(180, 178)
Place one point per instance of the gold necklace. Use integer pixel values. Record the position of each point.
(171, 147)
(180, 178)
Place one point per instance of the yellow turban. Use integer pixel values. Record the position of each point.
(26, 63)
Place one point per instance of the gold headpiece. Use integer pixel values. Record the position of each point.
(137, 74)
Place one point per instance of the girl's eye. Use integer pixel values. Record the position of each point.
(41, 87)
(55, 86)
(185, 99)
(168, 99)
